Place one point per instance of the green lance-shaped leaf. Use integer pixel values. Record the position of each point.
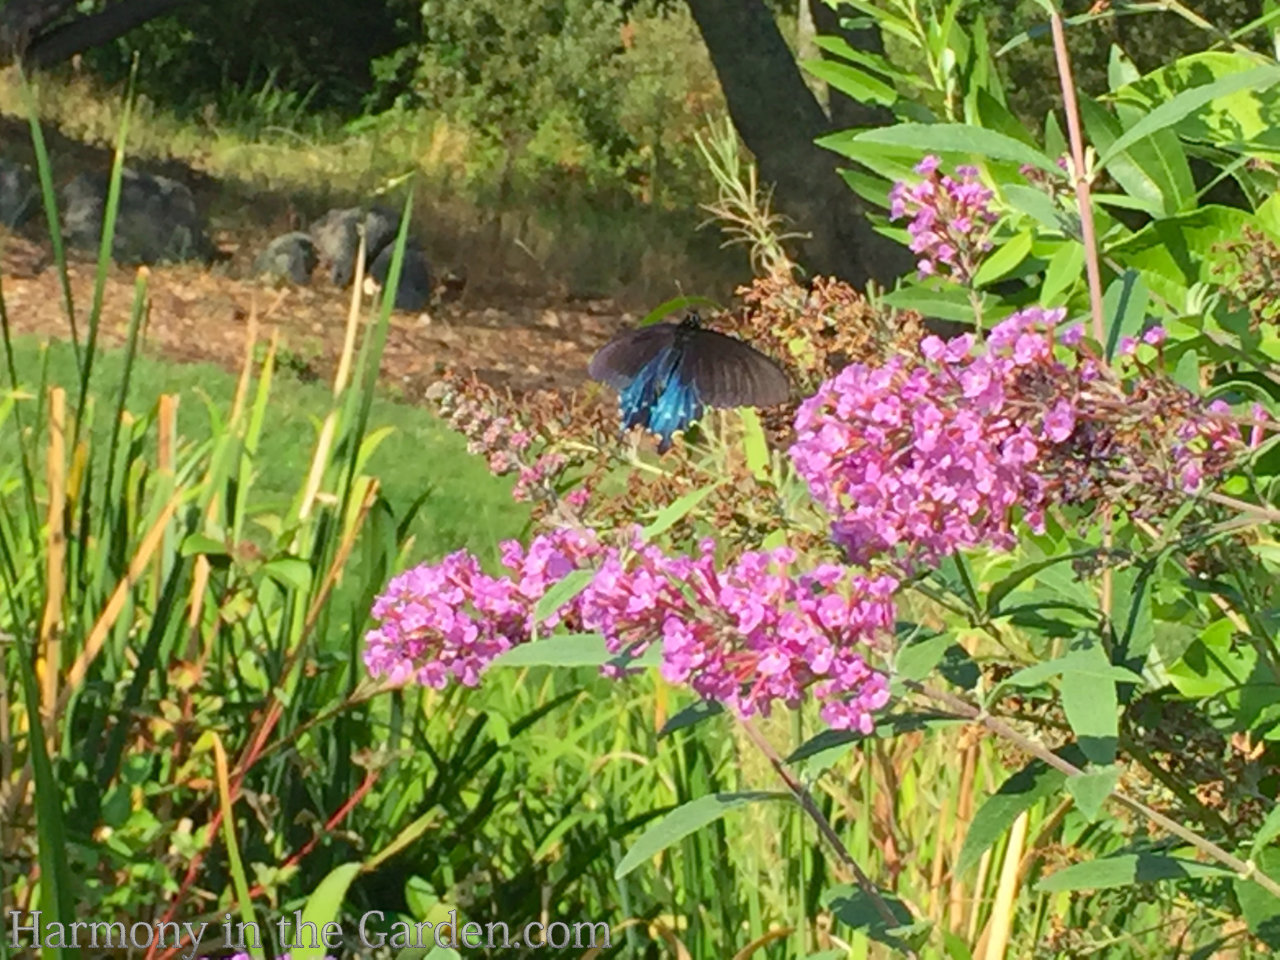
(572, 650)
(323, 907)
(960, 138)
(1127, 870)
(686, 819)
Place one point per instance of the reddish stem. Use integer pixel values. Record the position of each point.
(1083, 200)
(370, 778)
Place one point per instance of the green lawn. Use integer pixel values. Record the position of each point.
(468, 507)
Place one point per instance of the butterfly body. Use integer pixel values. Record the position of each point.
(667, 374)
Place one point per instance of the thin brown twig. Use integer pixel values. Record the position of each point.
(1245, 870)
(1088, 235)
(806, 801)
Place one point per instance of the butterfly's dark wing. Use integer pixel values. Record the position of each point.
(729, 373)
(619, 360)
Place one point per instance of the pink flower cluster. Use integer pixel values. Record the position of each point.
(1209, 439)
(951, 219)
(916, 461)
(751, 634)
(925, 460)
(450, 619)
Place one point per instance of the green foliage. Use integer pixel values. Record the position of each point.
(558, 94)
(1146, 659)
(1151, 38)
(1081, 757)
(189, 562)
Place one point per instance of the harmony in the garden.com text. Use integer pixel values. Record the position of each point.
(292, 931)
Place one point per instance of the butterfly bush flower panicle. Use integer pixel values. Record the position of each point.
(447, 621)
(750, 633)
(951, 219)
(914, 461)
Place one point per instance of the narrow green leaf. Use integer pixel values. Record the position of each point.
(677, 510)
(571, 650)
(1127, 870)
(686, 819)
(292, 572)
(44, 169)
(1036, 204)
(1005, 586)
(917, 658)
(1261, 910)
(994, 115)
(1004, 259)
(1020, 792)
(1124, 304)
(1188, 102)
(1077, 661)
(1065, 268)
(1090, 701)
(841, 47)
(1055, 141)
(51, 850)
(851, 81)
(664, 309)
(1042, 29)
(1142, 181)
(869, 186)
(1269, 830)
(410, 833)
(1091, 789)
(1120, 69)
(691, 715)
(754, 444)
(235, 864)
(198, 543)
(323, 907)
(1132, 618)
(960, 138)
(946, 304)
(565, 590)
(851, 905)
(1170, 255)
(829, 745)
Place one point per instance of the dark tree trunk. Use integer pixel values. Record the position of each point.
(22, 20)
(66, 41)
(778, 118)
(30, 30)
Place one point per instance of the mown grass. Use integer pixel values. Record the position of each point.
(468, 507)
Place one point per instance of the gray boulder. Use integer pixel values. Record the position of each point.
(157, 220)
(338, 240)
(19, 193)
(414, 290)
(291, 256)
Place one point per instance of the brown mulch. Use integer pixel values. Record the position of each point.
(199, 314)
(511, 334)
